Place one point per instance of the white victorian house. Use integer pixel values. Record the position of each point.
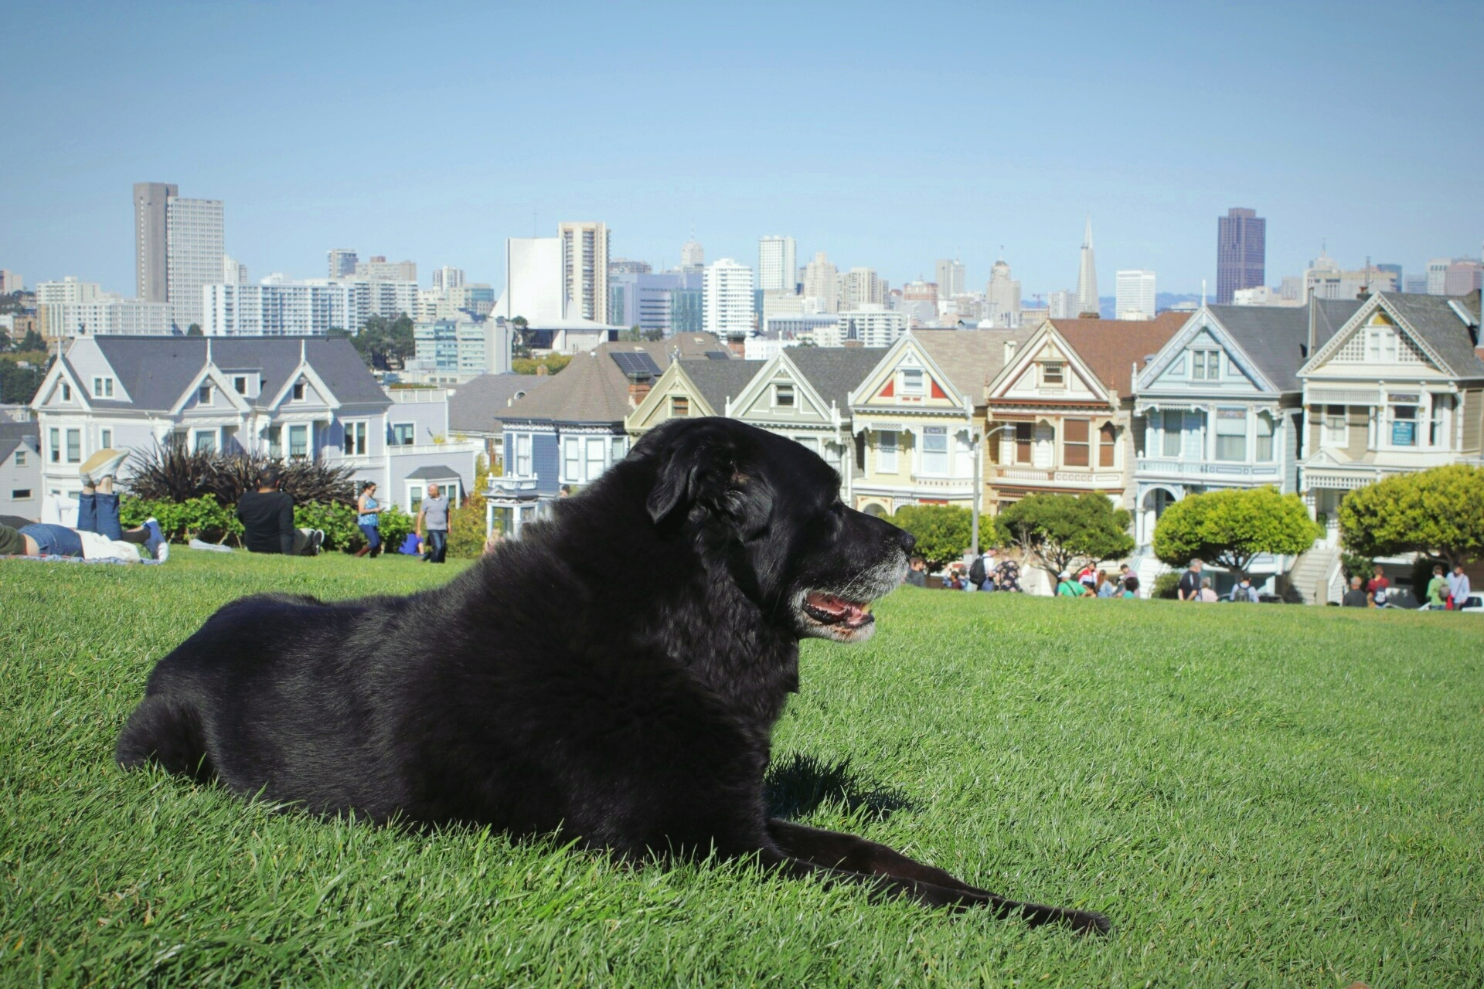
(296, 398)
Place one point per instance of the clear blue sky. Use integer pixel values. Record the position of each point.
(887, 135)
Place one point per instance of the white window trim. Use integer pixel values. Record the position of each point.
(888, 462)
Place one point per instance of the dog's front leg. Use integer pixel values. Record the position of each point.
(851, 854)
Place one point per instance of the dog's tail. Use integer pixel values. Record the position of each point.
(167, 732)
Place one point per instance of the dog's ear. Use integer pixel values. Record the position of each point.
(701, 468)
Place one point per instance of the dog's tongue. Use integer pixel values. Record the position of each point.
(839, 609)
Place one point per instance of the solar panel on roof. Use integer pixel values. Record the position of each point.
(636, 364)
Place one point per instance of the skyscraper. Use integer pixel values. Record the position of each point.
(692, 256)
(727, 292)
(861, 287)
(1087, 276)
(342, 262)
(777, 264)
(447, 277)
(822, 282)
(951, 278)
(1003, 296)
(193, 234)
(585, 269)
(151, 241)
(1134, 294)
(1241, 252)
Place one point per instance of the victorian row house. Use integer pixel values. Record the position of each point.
(297, 398)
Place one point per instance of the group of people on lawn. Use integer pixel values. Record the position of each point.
(266, 514)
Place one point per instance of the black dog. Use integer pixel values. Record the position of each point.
(614, 674)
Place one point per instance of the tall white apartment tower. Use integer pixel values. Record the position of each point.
(1003, 295)
(861, 287)
(692, 256)
(150, 240)
(822, 282)
(951, 280)
(342, 262)
(1087, 275)
(777, 264)
(178, 249)
(585, 269)
(1134, 294)
(726, 294)
(446, 278)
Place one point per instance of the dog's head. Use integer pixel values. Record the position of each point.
(773, 508)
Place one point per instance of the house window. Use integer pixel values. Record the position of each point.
(205, 441)
(1174, 423)
(1107, 444)
(355, 439)
(1053, 374)
(20, 494)
(1205, 365)
(298, 391)
(1074, 443)
(1380, 346)
(1231, 434)
(1437, 434)
(20, 457)
(935, 451)
(74, 446)
(203, 395)
(912, 381)
(523, 454)
(595, 447)
(679, 406)
(298, 442)
(55, 445)
(783, 396)
(810, 443)
(1334, 425)
(1024, 434)
(66, 392)
(571, 459)
(1403, 419)
(886, 451)
(1264, 437)
(274, 435)
(102, 387)
(240, 384)
(403, 433)
(105, 438)
(616, 449)
(414, 498)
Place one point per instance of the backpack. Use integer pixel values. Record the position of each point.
(976, 571)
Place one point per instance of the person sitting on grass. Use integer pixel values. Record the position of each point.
(1356, 596)
(267, 517)
(99, 534)
(1069, 588)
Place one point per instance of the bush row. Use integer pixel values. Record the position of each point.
(205, 519)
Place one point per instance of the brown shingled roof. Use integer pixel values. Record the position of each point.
(1113, 347)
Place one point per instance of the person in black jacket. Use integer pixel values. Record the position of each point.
(267, 516)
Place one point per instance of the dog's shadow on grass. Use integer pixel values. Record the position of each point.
(797, 784)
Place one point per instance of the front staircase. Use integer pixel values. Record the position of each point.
(1317, 576)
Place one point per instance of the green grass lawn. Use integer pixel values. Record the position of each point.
(1257, 796)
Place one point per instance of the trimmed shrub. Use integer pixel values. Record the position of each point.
(195, 518)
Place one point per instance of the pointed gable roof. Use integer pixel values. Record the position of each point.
(1272, 337)
(1112, 348)
(1443, 328)
(1326, 316)
(718, 381)
(475, 403)
(834, 372)
(970, 358)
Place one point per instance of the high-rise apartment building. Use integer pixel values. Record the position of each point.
(1134, 294)
(1464, 275)
(1241, 252)
(11, 281)
(951, 280)
(194, 252)
(342, 262)
(1061, 304)
(692, 256)
(446, 278)
(585, 269)
(822, 283)
(71, 306)
(1002, 296)
(727, 295)
(861, 287)
(151, 240)
(234, 272)
(1087, 275)
(627, 266)
(379, 269)
(777, 264)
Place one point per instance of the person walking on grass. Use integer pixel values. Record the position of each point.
(368, 520)
(1437, 590)
(917, 574)
(1244, 592)
(99, 534)
(432, 525)
(1189, 588)
(1458, 587)
(1356, 597)
(267, 517)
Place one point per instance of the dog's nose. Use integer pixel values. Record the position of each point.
(908, 541)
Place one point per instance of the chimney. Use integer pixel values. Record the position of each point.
(638, 391)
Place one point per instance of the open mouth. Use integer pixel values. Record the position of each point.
(835, 611)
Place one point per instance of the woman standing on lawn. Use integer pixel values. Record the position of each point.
(369, 520)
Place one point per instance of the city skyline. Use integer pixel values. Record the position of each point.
(1316, 179)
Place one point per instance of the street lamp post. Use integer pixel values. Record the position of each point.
(978, 478)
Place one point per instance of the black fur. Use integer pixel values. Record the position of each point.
(615, 674)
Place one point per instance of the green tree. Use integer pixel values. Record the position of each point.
(942, 531)
(1065, 531)
(18, 384)
(31, 343)
(1230, 527)
(385, 344)
(1438, 512)
(194, 330)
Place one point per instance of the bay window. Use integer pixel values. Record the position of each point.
(355, 439)
(886, 451)
(1231, 434)
(935, 451)
(1334, 431)
(595, 462)
(298, 442)
(1264, 437)
(523, 454)
(1024, 433)
(1402, 411)
(1437, 430)
(571, 460)
(74, 446)
(1074, 443)
(1172, 424)
(1107, 444)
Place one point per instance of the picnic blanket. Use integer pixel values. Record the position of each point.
(78, 559)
